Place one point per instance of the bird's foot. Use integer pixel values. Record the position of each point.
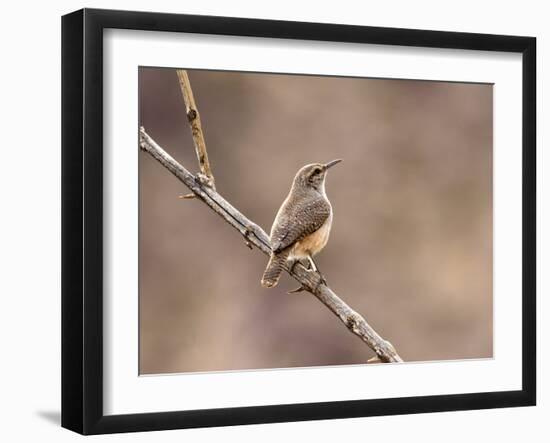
(291, 270)
(322, 279)
(293, 265)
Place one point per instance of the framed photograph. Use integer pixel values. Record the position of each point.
(269, 221)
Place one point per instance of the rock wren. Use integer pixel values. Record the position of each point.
(302, 225)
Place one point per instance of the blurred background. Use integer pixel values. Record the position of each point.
(411, 242)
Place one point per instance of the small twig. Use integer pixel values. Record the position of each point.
(310, 281)
(194, 119)
(295, 291)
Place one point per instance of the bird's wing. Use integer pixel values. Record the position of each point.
(302, 220)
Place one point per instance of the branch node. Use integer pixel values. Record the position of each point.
(247, 231)
(191, 115)
(353, 320)
(204, 180)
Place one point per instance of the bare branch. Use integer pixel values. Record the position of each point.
(194, 119)
(256, 236)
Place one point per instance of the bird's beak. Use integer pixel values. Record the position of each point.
(332, 163)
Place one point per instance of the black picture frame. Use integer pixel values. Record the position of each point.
(82, 220)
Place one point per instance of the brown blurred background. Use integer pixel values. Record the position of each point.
(411, 243)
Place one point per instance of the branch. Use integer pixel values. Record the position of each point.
(196, 127)
(256, 236)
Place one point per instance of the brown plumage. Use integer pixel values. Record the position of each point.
(302, 225)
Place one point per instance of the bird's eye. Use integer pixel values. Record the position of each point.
(317, 171)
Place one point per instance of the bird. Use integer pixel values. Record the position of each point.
(302, 225)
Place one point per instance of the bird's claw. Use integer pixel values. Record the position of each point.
(293, 265)
(321, 277)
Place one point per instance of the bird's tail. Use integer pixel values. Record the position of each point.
(273, 269)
